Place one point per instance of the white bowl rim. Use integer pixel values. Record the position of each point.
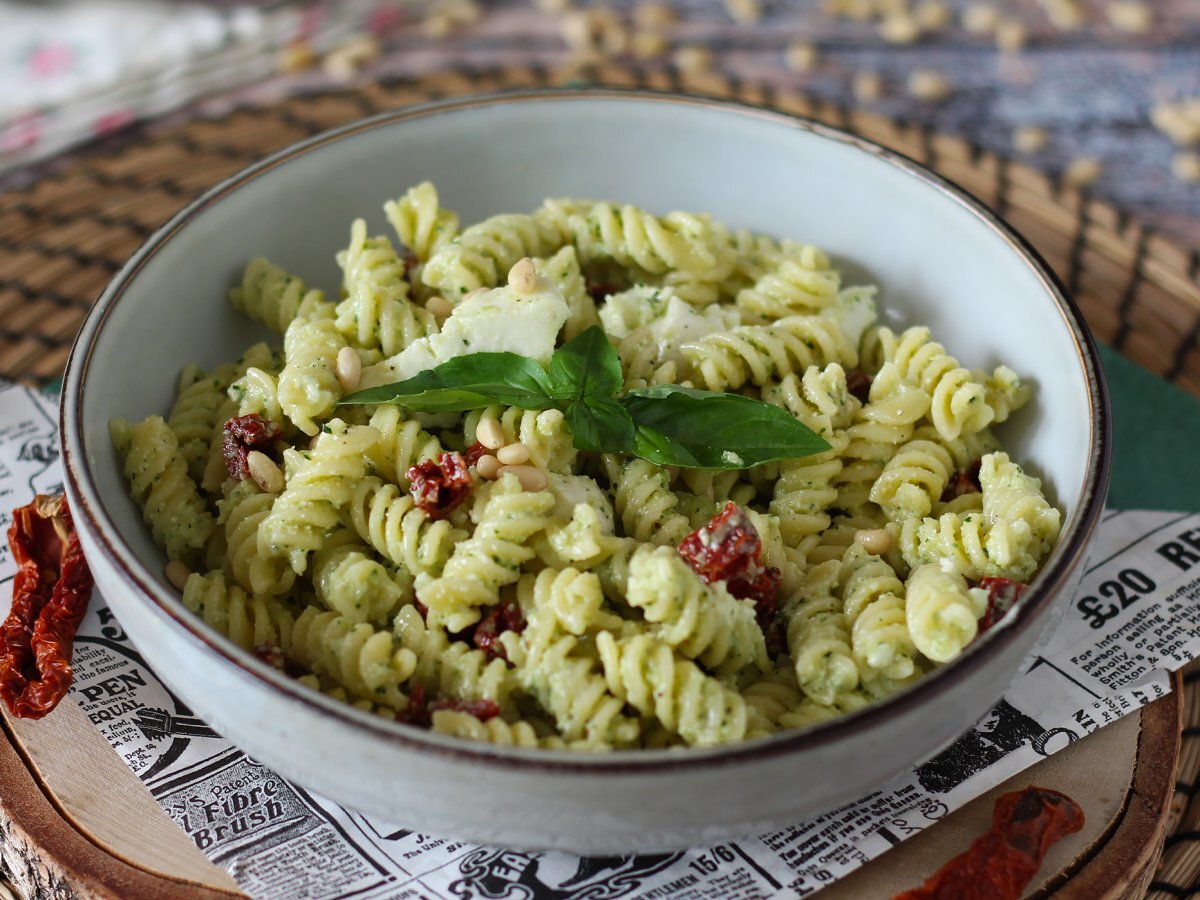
(1052, 579)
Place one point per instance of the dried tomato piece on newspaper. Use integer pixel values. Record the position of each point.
(438, 487)
(504, 617)
(1002, 595)
(727, 548)
(1001, 863)
(51, 591)
(243, 434)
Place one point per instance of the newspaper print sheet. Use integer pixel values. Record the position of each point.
(1135, 616)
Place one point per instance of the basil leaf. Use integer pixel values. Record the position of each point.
(679, 426)
(586, 367)
(600, 425)
(467, 382)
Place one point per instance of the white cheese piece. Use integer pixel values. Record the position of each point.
(682, 322)
(495, 321)
(854, 311)
(571, 490)
(622, 313)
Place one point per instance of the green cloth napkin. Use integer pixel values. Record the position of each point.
(1156, 440)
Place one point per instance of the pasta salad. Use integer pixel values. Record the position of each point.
(591, 478)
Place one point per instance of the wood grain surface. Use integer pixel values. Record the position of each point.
(1091, 89)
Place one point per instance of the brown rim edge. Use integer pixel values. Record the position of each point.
(1130, 850)
(1051, 581)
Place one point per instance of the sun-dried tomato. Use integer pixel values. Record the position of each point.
(1003, 595)
(763, 589)
(966, 482)
(410, 261)
(726, 547)
(421, 608)
(729, 549)
(243, 434)
(420, 709)
(51, 591)
(270, 654)
(1001, 863)
(438, 487)
(480, 709)
(504, 617)
(858, 383)
(475, 452)
(417, 710)
(599, 290)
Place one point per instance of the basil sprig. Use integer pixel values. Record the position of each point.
(666, 424)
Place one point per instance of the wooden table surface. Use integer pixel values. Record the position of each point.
(1091, 89)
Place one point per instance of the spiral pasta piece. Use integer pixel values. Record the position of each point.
(402, 444)
(563, 269)
(323, 484)
(770, 698)
(355, 655)
(700, 621)
(377, 313)
(873, 602)
(274, 298)
(573, 600)
(249, 621)
(242, 512)
(1024, 526)
(648, 675)
(569, 686)
(507, 517)
(308, 387)
(493, 731)
(159, 483)
(804, 491)
(195, 415)
(886, 422)
(632, 237)
(760, 354)
(801, 283)
(957, 402)
(913, 480)
(420, 222)
(351, 583)
(482, 255)
(1016, 527)
(646, 506)
(452, 669)
(942, 612)
(818, 637)
(388, 519)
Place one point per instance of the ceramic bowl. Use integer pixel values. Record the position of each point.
(939, 257)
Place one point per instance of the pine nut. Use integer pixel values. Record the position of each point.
(875, 541)
(488, 467)
(177, 573)
(348, 369)
(513, 454)
(264, 472)
(522, 277)
(531, 477)
(1081, 171)
(440, 307)
(490, 433)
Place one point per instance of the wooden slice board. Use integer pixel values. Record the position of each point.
(76, 822)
